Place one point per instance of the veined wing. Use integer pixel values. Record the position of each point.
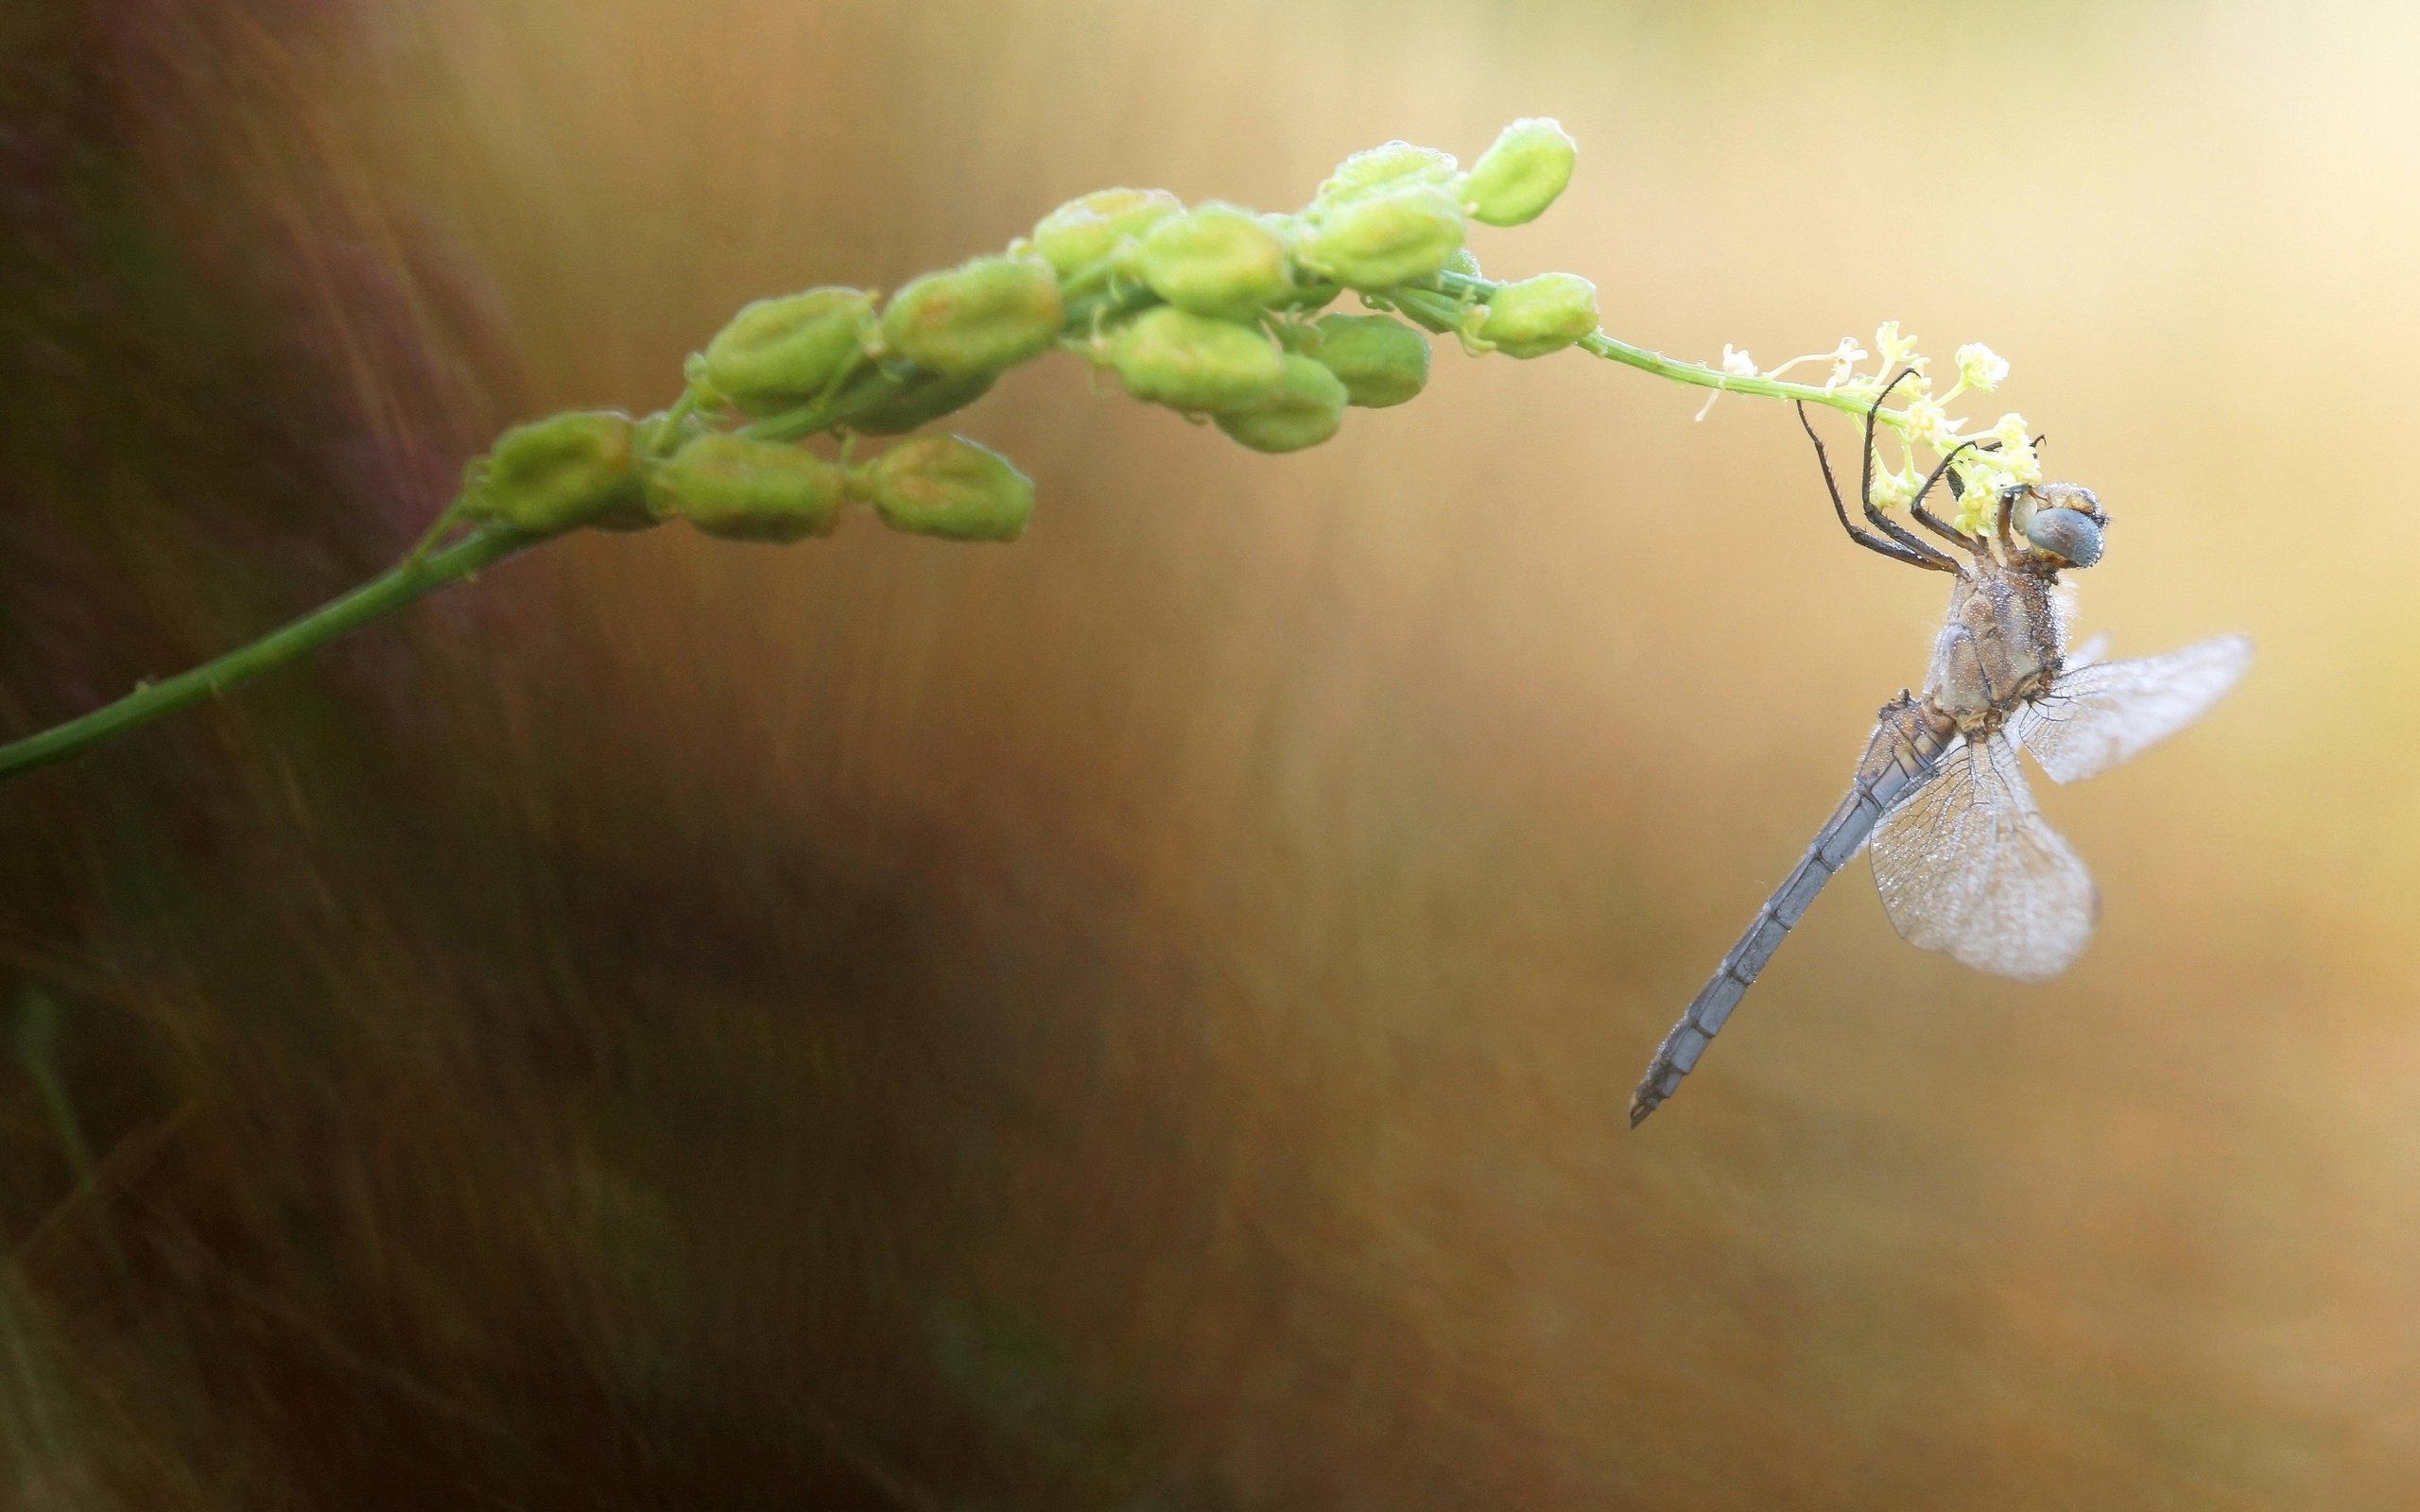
(1967, 863)
(2098, 715)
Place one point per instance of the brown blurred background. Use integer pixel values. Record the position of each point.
(1141, 1019)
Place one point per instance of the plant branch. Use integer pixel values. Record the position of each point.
(375, 599)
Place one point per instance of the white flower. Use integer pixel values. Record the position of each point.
(1897, 350)
(1894, 488)
(1980, 367)
(1735, 364)
(2015, 462)
(1928, 422)
(1844, 360)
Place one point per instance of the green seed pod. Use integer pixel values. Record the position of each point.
(779, 353)
(902, 413)
(1379, 240)
(1540, 315)
(1381, 360)
(1462, 261)
(1083, 231)
(561, 473)
(1216, 259)
(1514, 180)
(979, 317)
(1306, 411)
(1187, 361)
(740, 490)
(947, 486)
(1396, 165)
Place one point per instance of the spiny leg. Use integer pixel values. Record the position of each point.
(1873, 514)
(1863, 537)
(1934, 522)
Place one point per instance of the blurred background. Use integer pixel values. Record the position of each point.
(1142, 1018)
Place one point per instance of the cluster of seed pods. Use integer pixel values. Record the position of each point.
(1211, 310)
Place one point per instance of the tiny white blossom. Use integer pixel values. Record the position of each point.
(1933, 426)
(1977, 508)
(1980, 367)
(1893, 488)
(1735, 363)
(1844, 360)
(1896, 350)
(2016, 461)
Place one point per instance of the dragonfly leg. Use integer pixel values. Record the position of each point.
(1863, 537)
(1934, 523)
(1897, 532)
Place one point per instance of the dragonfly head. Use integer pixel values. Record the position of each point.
(2062, 519)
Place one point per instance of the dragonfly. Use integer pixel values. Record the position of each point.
(1965, 862)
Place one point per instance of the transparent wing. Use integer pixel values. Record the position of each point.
(2100, 714)
(1967, 865)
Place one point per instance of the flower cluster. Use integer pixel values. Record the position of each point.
(1211, 310)
(1986, 462)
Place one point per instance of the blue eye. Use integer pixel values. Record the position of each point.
(2069, 533)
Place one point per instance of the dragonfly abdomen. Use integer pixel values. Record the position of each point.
(1904, 751)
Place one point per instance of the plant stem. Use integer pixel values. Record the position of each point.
(1439, 305)
(380, 597)
(1456, 290)
(425, 571)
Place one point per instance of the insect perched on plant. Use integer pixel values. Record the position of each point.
(1964, 861)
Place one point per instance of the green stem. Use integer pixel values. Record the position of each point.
(380, 597)
(1439, 305)
(1456, 289)
(425, 571)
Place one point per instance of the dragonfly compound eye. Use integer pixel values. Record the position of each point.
(2069, 533)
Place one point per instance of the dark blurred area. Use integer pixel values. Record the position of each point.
(1141, 1019)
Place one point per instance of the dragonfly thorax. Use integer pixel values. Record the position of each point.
(1998, 646)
